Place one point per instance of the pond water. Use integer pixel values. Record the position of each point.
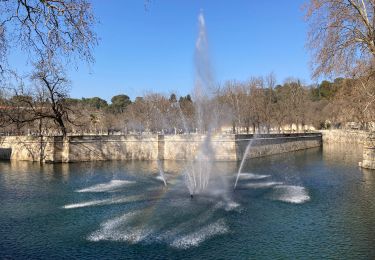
(310, 204)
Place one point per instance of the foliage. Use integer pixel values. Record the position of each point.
(95, 102)
(119, 103)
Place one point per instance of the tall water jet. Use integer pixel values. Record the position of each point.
(204, 81)
(197, 175)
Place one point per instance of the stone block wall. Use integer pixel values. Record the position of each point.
(186, 147)
(101, 148)
(264, 145)
(368, 160)
(29, 148)
(150, 147)
(368, 156)
(361, 139)
(344, 136)
(80, 148)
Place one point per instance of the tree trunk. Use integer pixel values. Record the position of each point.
(41, 148)
(62, 127)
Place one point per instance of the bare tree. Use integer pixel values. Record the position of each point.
(280, 108)
(44, 100)
(47, 29)
(231, 95)
(187, 110)
(342, 34)
(52, 32)
(342, 40)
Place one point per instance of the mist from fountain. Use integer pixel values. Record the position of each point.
(161, 173)
(197, 174)
(183, 118)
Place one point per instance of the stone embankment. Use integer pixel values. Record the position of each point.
(362, 138)
(150, 147)
(344, 136)
(368, 157)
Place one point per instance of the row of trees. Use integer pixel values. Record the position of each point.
(257, 105)
(341, 39)
(260, 104)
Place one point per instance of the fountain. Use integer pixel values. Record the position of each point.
(151, 214)
(161, 173)
(197, 174)
(243, 160)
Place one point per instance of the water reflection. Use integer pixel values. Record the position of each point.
(368, 176)
(349, 154)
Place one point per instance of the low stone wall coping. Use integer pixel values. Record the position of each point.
(152, 147)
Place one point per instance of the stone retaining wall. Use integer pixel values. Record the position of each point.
(150, 147)
(354, 138)
(344, 136)
(186, 147)
(264, 145)
(368, 156)
(29, 148)
(99, 148)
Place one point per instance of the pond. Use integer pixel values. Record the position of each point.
(313, 204)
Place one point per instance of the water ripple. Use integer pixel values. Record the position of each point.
(107, 187)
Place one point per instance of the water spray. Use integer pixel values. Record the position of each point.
(243, 161)
(161, 172)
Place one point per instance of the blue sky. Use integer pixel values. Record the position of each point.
(153, 50)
